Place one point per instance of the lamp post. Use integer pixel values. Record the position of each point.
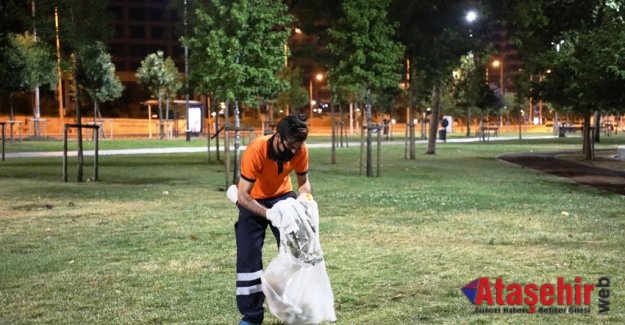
(497, 63)
(186, 76)
(471, 16)
(59, 86)
(311, 101)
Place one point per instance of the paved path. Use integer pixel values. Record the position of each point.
(147, 151)
(605, 179)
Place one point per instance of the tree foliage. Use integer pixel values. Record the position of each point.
(366, 55)
(436, 35)
(237, 48)
(29, 63)
(579, 60)
(295, 95)
(312, 18)
(156, 75)
(97, 74)
(160, 77)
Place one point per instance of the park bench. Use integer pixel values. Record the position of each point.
(488, 130)
(563, 130)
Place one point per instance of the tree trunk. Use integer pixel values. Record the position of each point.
(369, 127)
(79, 155)
(341, 126)
(406, 133)
(160, 115)
(521, 122)
(587, 147)
(597, 130)
(167, 111)
(410, 151)
(95, 112)
(556, 124)
(436, 96)
(217, 135)
(226, 129)
(11, 118)
(237, 143)
(482, 126)
(37, 114)
(333, 151)
(468, 113)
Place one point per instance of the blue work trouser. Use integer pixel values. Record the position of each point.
(250, 236)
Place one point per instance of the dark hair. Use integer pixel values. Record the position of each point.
(293, 127)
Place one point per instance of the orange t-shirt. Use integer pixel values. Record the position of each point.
(262, 171)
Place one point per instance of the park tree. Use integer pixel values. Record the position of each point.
(489, 100)
(97, 76)
(80, 27)
(586, 76)
(29, 65)
(314, 18)
(366, 57)
(436, 35)
(237, 52)
(10, 24)
(469, 89)
(465, 86)
(295, 95)
(158, 78)
(172, 88)
(579, 60)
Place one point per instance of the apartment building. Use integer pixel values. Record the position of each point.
(143, 27)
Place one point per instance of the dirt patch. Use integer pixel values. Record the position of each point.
(603, 159)
(605, 173)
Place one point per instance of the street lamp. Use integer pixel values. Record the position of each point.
(319, 77)
(59, 86)
(499, 64)
(471, 16)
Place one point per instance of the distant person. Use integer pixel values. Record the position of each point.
(265, 180)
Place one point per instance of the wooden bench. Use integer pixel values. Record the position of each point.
(488, 131)
(563, 130)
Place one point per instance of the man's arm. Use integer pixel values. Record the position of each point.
(303, 184)
(246, 201)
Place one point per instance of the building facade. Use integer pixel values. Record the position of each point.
(142, 27)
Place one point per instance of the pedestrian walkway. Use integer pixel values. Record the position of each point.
(148, 151)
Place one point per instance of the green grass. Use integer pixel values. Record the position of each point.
(153, 243)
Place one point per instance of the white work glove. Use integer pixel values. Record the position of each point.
(308, 237)
(312, 209)
(232, 193)
(282, 216)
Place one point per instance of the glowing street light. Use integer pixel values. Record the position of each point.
(499, 64)
(318, 77)
(471, 16)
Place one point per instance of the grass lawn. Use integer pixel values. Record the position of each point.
(153, 243)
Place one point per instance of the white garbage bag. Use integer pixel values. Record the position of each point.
(296, 284)
(297, 292)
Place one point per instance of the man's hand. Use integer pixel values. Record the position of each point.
(282, 216)
(232, 193)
